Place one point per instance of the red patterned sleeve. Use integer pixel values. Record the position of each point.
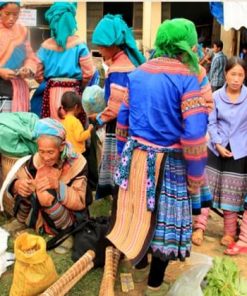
(87, 68)
(122, 129)
(117, 95)
(193, 140)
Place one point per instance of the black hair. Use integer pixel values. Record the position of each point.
(233, 61)
(219, 44)
(244, 46)
(69, 100)
(10, 2)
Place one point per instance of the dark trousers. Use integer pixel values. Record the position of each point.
(157, 270)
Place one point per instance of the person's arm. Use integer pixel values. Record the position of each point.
(82, 135)
(122, 129)
(213, 127)
(213, 69)
(193, 140)
(39, 75)
(7, 74)
(206, 91)
(31, 60)
(86, 64)
(215, 66)
(117, 93)
(22, 184)
(74, 195)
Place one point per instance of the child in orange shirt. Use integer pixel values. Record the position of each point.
(68, 111)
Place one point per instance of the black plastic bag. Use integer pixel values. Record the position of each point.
(89, 234)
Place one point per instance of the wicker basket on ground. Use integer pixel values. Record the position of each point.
(6, 163)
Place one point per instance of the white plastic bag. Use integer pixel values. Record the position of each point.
(189, 283)
(6, 258)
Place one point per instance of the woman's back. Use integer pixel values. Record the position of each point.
(58, 62)
(158, 107)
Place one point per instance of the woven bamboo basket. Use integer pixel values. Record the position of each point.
(7, 162)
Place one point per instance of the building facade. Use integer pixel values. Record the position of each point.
(144, 17)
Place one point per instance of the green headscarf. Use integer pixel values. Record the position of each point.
(175, 38)
(112, 30)
(61, 18)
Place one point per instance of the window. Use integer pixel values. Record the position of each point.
(41, 32)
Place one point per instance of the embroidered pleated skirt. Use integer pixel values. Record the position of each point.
(227, 180)
(166, 230)
(109, 162)
(14, 95)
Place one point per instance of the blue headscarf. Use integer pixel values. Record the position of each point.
(17, 2)
(112, 30)
(62, 22)
(52, 127)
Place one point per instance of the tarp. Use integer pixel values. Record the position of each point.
(216, 9)
(231, 14)
(235, 14)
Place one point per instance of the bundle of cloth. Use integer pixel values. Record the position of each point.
(18, 126)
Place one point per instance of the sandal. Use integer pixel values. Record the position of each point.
(235, 249)
(197, 237)
(227, 240)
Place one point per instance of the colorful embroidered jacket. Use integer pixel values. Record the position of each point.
(163, 105)
(16, 52)
(69, 199)
(74, 62)
(115, 84)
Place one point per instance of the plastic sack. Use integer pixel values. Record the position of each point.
(189, 283)
(6, 258)
(34, 270)
(93, 99)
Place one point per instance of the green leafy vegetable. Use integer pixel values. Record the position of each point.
(223, 279)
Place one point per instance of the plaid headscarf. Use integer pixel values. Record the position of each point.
(112, 30)
(175, 38)
(52, 127)
(62, 22)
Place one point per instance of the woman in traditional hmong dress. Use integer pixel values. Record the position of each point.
(65, 61)
(117, 45)
(226, 169)
(17, 60)
(165, 155)
(51, 193)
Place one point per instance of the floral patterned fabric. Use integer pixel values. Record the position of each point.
(122, 173)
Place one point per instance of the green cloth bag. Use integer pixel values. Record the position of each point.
(16, 133)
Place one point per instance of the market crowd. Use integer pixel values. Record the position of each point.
(164, 137)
